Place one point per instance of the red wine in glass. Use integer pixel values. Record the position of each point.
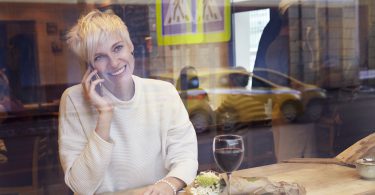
(228, 159)
(228, 153)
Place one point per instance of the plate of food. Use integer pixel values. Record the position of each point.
(213, 183)
(206, 183)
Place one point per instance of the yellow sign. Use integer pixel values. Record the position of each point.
(192, 21)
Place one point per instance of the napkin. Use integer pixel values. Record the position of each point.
(262, 186)
(241, 185)
(282, 188)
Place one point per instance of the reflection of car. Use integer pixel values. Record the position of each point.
(312, 96)
(238, 101)
(200, 112)
(196, 102)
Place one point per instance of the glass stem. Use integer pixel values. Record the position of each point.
(229, 174)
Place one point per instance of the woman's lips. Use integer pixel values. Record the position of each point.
(119, 71)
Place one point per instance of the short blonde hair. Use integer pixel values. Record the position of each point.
(92, 30)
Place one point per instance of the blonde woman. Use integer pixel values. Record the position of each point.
(118, 131)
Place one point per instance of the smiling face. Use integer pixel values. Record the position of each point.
(114, 62)
(102, 40)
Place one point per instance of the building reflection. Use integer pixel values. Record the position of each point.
(321, 61)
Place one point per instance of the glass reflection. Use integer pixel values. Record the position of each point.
(318, 56)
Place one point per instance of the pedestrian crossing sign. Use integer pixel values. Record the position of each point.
(192, 21)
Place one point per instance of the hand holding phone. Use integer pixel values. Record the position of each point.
(99, 87)
(93, 89)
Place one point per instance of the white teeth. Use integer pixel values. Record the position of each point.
(118, 72)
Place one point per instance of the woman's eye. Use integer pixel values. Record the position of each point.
(118, 48)
(97, 58)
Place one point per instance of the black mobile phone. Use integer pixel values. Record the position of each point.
(99, 87)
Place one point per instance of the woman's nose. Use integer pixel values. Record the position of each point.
(113, 61)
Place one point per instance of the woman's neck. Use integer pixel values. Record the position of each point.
(125, 92)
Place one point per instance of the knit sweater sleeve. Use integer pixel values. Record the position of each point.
(181, 143)
(83, 154)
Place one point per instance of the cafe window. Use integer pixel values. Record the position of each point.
(248, 27)
(305, 84)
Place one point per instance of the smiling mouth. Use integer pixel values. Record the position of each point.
(119, 71)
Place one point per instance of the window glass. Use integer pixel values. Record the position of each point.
(249, 26)
(296, 80)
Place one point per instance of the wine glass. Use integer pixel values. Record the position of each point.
(228, 153)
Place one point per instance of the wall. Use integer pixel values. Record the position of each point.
(325, 39)
(54, 68)
(370, 5)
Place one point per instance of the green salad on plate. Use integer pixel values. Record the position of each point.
(206, 183)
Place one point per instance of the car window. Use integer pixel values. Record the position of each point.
(278, 79)
(275, 78)
(238, 80)
(224, 81)
(256, 83)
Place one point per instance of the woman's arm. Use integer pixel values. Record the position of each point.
(84, 154)
(180, 146)
(181, 142)
(104, 107)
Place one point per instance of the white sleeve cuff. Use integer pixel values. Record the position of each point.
(186, 171)
(100, 140)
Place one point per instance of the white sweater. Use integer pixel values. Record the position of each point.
(151, 138)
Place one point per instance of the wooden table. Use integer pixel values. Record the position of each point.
(320, 179)
(316, 178)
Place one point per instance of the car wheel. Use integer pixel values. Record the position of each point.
(228, 120)
(314, 110)
(289, 111)
(201, 121)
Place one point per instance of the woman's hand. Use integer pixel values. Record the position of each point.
(163, 188)
(158, 189)
(92, 95)
(104, 107)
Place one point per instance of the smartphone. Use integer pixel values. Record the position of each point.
(99, 87)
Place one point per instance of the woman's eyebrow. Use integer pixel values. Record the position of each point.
(117, 43)
(113, 46)
(98, 54)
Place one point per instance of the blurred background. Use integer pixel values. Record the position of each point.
(294, 77)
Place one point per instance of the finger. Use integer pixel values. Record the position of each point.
(155, 192)
(91, 74)
(148, 192)
(87, 80)
(87, 72)
(95, 83)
